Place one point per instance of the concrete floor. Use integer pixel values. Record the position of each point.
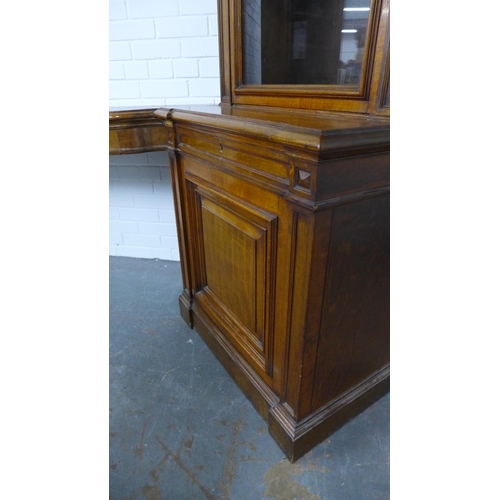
(181, 429)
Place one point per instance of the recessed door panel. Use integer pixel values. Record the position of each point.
(237, 260)
(235, 274)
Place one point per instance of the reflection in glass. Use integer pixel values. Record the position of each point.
(304, 41)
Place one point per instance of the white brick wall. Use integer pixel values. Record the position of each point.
(161, 53)
(141, 211)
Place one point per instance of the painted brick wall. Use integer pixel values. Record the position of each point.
(141, 211)
(161, 53)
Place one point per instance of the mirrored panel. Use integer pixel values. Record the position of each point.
(304, 42)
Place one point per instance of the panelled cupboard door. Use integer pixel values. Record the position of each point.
(234, 244)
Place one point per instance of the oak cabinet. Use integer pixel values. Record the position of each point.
(284, 233)
(282, 200)
(282, 205)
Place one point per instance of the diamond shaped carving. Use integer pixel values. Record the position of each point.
(304, 179)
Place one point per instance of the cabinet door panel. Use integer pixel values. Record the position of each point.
(237, 247)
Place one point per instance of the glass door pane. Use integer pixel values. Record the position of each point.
(304, 42)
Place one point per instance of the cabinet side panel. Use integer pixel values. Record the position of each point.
(354, 331)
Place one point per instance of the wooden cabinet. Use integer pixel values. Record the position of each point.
(282, 205)
(284, 233)
(282, 199)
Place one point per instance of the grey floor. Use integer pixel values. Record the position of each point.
(181, 429)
